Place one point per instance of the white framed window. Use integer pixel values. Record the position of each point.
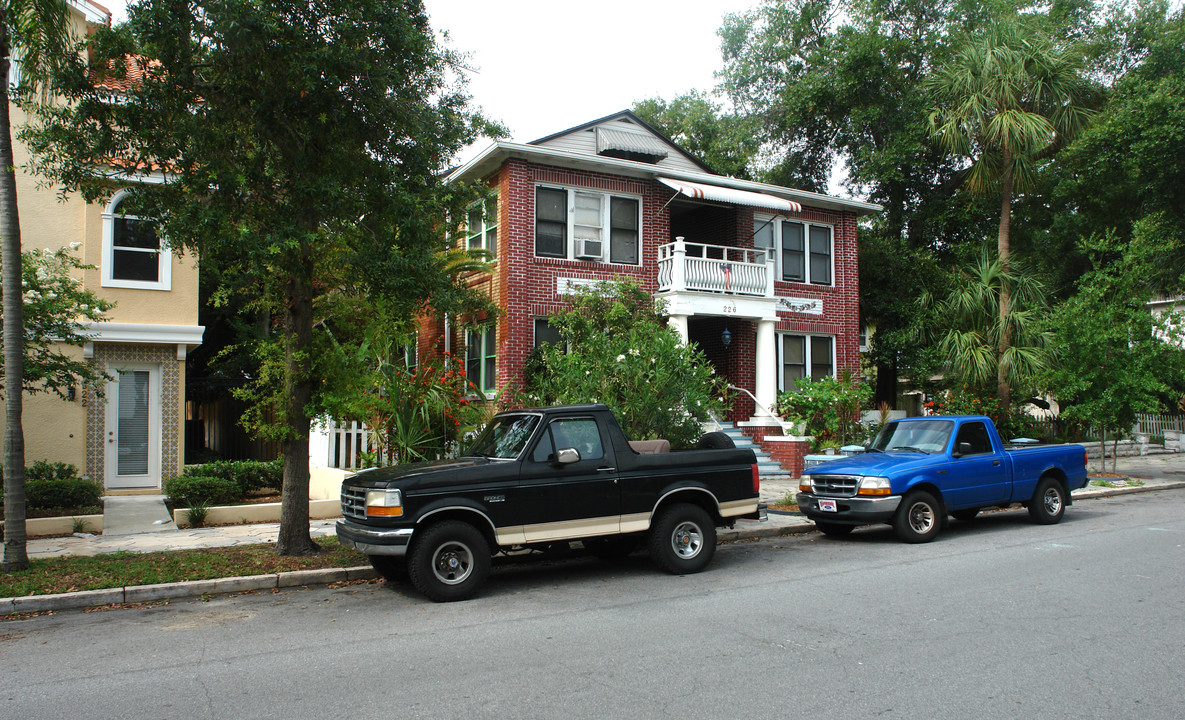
(805, 250)
(410, 353)
(481, 226)
(481, 357)
(545, 334)
(133, 254)
(801, 356)
(587, 225)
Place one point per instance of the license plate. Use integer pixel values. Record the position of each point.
(828, 506)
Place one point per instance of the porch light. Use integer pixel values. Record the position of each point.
(726, 338)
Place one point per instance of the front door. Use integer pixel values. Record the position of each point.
(132, 432)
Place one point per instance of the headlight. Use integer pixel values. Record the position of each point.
(874, 486)
(805, 484)
(386, 503)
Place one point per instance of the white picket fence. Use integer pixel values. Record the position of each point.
(338, 444)
(1157, 424)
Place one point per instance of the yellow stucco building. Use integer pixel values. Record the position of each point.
(132, 435)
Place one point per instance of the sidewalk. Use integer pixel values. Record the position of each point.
(1158, 472)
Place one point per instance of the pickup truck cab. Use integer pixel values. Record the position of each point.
(541, 476)
(917, 470)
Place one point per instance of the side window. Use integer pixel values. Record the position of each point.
(551, 222)
(544, 451)
(976, 435)
(579, 433)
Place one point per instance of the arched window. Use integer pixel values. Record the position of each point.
(133, 255)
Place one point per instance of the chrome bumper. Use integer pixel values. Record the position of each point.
(374, 541)
(851, 510)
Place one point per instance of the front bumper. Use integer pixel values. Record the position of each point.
(374, 541)
(849, 510)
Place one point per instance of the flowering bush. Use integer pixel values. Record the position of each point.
(966, 401)
(618, 350)
(829, 406)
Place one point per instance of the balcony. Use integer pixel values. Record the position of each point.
(694, 267)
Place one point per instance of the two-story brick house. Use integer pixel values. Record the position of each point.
(762, 278)
(133, 435)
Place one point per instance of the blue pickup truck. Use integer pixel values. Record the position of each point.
(918, 470)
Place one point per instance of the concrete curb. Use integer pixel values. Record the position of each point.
(188, 588)
(777, 526)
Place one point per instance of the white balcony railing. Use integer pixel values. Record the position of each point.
(714, 268)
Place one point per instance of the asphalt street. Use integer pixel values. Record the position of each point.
(998, 618)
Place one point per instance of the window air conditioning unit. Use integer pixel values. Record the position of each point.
(590, 249)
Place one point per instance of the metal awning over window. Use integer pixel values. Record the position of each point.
(699, 191)
(630, 145)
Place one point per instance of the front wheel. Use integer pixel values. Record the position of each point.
(1048, 503)
(918, 518)
(682, 539)
(450, 561)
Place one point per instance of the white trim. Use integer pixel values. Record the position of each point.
(91, 12)
(493, 156)
(164, 259)
(806, 251)
(142, 333)
(783, 385)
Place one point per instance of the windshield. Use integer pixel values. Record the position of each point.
(924, 436)
(504, 437)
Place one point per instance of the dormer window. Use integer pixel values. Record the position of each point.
(133, 254)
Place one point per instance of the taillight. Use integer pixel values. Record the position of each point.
(1085, 460)
(756, 480)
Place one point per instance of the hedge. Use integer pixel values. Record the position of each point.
(196, 489)
(250, 475)
(67, 492)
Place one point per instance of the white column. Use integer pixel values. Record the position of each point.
(771, 272)
(679, 322)
(679, 273)
(766, 382)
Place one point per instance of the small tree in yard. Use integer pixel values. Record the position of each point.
(1112, 358)
(830, 407)
(303, 147)
(617, 349)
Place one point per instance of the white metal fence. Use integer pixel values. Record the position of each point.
(342, 445)
(1157, 424)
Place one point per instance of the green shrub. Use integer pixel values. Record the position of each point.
(45, 470)
(250, 475)
(69, 492)
(196, 489)
(197, 514)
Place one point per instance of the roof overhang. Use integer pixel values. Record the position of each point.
(498, 153)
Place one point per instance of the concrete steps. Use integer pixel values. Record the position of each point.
(766, 465)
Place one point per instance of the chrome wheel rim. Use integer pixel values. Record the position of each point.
(921, 518)
(687, 540)
(452, 563)
(1053, 501)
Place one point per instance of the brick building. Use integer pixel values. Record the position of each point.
(762, 278)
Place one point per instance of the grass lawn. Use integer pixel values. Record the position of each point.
(70, 574)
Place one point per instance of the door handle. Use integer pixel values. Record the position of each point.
(995, 462)
(606, 469)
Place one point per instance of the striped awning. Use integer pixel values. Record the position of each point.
(699, 191)
(610, 141)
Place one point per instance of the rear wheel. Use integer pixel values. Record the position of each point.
(834, 529)
(1048, 503)
(918, 518)
(450, 561)
(682, 539)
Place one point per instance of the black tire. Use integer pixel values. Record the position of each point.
(389, 567)
(834, 529)
(715, 441)
(1049, 502)
(918, 518)
(682, 539)
(449, 561)
(612, 548)
(965, 515)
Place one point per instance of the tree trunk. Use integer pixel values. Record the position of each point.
(1103, 451)
(294, 536)
(886, 385)
(1003, 389)
(16, 556)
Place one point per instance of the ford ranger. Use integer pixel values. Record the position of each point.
(917, 470)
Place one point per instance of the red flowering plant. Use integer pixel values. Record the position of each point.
(966, 400)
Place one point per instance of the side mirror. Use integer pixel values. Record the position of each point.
(964, 449)
(567, 456)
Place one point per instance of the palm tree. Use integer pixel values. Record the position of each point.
(38, 33)
(972, 337)
(1008, 98)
